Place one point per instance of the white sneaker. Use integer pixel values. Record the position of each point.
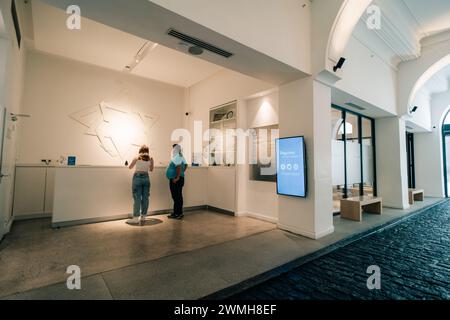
(134, 220)
(142, 219)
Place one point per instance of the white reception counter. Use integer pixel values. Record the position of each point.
(84, 194)
(91, 194)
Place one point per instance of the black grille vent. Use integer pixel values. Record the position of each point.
(199, 43)
(350, 104)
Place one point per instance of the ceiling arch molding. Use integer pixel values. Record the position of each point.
(334, 22)
(412, 75)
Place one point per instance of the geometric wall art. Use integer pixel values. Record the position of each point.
(117, 129)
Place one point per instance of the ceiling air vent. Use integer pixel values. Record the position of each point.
(355, 106)
(199, 43)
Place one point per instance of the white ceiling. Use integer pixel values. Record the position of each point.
(107, 47)
(404, 24)
(342, 98)
(432, 16)
(439, 82)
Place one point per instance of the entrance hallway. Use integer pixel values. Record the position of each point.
(413, 257)
(201, 255)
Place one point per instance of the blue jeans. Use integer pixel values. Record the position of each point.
(141, 193)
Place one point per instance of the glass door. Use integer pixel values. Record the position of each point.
(411, 161)
(353, 156)
(446, 152)
(338, 159)
(3, 185)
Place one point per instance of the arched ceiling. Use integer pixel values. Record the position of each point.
(404, 25)
(438, 83)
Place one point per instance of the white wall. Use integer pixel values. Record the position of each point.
(279, 29)
(368, 77)
(413, 74)
(221, 190)
(422, 117)
(56, 87)
(428, 150)
(4, 48)
(262, 198)
(12, 66)
(392, 175)
(305, 110)
(221, 88)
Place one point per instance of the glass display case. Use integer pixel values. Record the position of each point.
(222, 123)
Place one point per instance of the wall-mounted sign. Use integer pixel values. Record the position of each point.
(291, 166)
(71, 160)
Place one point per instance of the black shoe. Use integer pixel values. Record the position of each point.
(171, 216)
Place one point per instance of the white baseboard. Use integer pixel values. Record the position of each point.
(307, 233)
(257, 216)
(32, 216)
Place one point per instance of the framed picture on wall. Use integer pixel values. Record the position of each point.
(15, 19)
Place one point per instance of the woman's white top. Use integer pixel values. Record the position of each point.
(142, 166)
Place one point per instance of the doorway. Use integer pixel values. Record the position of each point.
(446, 152)
(411, 160)
(3, 194)
(353, 156)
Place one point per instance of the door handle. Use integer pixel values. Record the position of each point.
(4, 175)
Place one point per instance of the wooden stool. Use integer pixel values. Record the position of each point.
(352, 208)
(415, 195)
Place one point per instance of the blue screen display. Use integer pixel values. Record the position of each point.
(71, 161)
(291, 169)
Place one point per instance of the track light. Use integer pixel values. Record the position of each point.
(146, 48)
(339, 65)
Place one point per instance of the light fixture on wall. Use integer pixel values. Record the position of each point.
(339, 65)
(15, 116)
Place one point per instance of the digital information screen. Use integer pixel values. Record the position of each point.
(291, 167)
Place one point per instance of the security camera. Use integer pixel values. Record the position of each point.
(339, 65)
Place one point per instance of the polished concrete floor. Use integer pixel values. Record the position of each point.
(35, 255)
(171, 260)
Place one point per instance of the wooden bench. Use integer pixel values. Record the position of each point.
(415, 195)
(352, 208)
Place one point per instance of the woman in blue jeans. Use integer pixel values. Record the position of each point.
(143, 164)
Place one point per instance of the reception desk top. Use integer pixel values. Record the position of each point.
(87, 166)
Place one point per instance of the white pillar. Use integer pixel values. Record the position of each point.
(305, 110)
(428, 150)
(392, 172)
